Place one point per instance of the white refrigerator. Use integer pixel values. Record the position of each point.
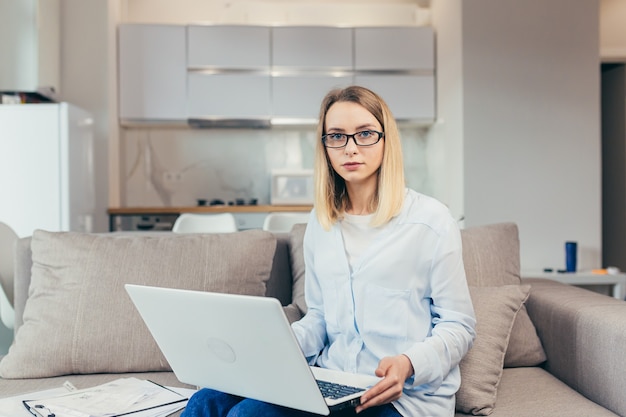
(46, 168)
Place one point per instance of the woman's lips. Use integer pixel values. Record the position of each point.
(351, 166)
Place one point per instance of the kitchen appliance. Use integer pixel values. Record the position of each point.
(292, 186)
(46, 168)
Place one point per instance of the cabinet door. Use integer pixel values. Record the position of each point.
(229, 96)
(394, 48)
(152, 72)
(403, 74)
(410, 97)
(300, 97)
(228, 47)
(313, 48)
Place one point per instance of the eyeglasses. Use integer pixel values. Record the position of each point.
(364, 138)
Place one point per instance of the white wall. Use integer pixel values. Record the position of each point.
(87, 73)
(445, 138)
(532, 124)
(268, 12)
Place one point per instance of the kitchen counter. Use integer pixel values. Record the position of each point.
(205, 209)
(162, 218)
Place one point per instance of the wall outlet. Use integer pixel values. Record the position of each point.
(170, 178)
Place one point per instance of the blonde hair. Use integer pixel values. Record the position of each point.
(331, 197)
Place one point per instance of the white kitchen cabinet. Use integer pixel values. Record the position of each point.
(307, 62)
(228, 76)
(268, 75)
(152, 73)
(222, 96)
(404, 75)
(312, 48)
(394, 48)
(297, 98)
(409, 97)
(228, 47)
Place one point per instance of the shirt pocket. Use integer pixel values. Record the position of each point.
(386, 311)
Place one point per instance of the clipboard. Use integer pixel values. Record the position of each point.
(90, 402)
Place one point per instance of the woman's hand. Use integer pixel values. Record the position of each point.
(394, 371)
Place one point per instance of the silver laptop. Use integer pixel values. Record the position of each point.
(241, 345)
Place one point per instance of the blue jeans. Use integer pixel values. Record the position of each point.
(211, 403)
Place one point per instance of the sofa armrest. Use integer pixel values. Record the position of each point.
(584, 336)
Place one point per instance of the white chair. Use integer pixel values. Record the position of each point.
(279, 222)
(8, 237)
(205, 223)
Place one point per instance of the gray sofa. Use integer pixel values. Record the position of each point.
(543, 348)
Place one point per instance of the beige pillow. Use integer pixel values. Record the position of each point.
(78, 318)
(491, 255)
(297, 309)
(525, 348)
(481, 369)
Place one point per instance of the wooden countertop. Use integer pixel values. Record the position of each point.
(205, 209)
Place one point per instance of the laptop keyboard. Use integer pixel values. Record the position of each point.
(334, 391)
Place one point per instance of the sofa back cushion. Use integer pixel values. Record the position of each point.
(491, 255)
(78, 318)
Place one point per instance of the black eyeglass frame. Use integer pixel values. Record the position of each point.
(381, 135)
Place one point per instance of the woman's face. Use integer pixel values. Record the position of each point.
(357, 165)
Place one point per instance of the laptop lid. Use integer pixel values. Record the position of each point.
(239, 344)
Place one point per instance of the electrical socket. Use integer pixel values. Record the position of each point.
(170, 177)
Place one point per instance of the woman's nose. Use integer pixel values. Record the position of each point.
(351, 146)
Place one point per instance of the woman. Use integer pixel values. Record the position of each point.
(385, 285)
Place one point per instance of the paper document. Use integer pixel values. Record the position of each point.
(125, 396)
(13, 407)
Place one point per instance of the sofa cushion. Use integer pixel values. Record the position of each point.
(297, 309)
(78, 318)
(491, 255)
(534, 392)
(481, 369)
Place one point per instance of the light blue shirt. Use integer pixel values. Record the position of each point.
(406, 294)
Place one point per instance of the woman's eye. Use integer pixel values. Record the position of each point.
(335, 136)
(365, 134)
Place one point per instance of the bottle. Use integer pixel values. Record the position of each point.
(571, 250)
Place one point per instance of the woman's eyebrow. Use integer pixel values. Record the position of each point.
(359, 128)
(365, 126)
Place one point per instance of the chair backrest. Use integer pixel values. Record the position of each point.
(8, 237)
(279, 222)
(205, 223)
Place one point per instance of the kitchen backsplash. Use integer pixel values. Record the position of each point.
(178, 166)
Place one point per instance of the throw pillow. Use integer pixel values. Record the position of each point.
(78, 318)
(525, 348)
(481, 368)
(491, 258)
